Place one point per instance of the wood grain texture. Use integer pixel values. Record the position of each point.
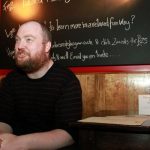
(113, 91)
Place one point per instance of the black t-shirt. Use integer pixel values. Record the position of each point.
(37, 105)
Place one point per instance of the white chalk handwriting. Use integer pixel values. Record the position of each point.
(10, 5)
(10, 33)
(71, 55)
(109, 22)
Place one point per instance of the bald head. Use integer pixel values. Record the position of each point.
(32, 47)
(36, 26)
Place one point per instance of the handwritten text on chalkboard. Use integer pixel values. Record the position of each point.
(91, 36)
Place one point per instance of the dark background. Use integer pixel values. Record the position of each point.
(132, 47)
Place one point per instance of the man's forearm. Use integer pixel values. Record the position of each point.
(51, 140)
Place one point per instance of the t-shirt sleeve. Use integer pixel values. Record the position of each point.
(6, 101)
(69, 107)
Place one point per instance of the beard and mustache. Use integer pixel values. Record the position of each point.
(30, 64)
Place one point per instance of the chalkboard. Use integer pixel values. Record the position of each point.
(85, 32)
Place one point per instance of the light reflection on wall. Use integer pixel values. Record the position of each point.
(111, 7)
(140, 81)
(23, 12)
(114, 4)
(122, 2)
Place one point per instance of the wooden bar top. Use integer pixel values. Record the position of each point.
(142, 127)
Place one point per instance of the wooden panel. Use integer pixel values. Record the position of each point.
(88, 91)
(113, 91)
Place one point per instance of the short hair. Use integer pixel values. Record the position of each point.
(47, 34)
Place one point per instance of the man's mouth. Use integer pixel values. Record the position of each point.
(21, 56)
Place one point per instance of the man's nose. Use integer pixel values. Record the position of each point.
(20, 44)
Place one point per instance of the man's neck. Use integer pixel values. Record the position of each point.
(41, 72)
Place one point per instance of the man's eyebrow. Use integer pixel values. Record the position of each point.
(26, 36)
(17, 36)
(29, 35)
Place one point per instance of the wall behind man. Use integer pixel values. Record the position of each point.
(114, 93)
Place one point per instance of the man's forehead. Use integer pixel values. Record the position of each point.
(30, 27)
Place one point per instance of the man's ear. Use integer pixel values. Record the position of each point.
(47, 47)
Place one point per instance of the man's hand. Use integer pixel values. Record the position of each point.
(10, 142)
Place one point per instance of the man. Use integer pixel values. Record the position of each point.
(39, 98)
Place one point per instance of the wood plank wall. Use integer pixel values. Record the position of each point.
(113, 91)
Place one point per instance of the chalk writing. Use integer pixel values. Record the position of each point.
(31, 2)
(8, 6)
(10, 53)
(111, 37)
(110, 22)
(77, 26)
(71, 44)
(138, 40)
(70, 55)
(51, 26)
(103, 54)
(10, 34)
(67, 1)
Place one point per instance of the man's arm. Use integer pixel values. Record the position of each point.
(51, 140)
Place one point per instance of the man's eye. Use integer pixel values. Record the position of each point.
(17, 40)
(28, 40)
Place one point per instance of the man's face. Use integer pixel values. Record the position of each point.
(30, 49)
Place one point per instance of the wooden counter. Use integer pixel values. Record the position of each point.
(102, 136)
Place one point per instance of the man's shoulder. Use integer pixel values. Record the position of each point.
(15, 73)
(62, 70)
